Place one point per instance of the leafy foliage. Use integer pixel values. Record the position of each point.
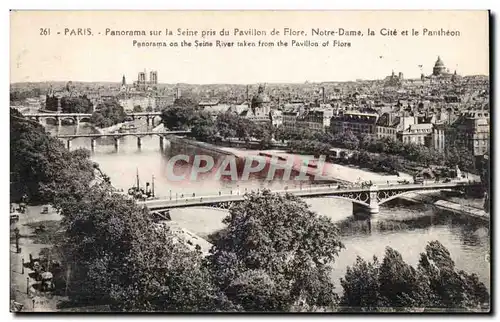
(398, 151)
(180, 117)
(40, 165)
(107, 114)
(275, 255)
(118, 256)
(76, 105)
(434, 283)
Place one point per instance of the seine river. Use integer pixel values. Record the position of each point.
(411, 226)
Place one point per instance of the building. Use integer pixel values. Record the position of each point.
(145, 102)
(291, 112)
(393, 80)
(472, 131)
(315, 119)
(260, 107)
(214, 107)
(142, 84)
(163, 101)
(276, 118)
(426, 134)
(387, 126)
(153, 78)
(439, 68)
(440, 72)
(356, 123)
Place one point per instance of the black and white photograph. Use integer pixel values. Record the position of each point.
(250, 161)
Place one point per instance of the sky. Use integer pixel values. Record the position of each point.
(56, 57)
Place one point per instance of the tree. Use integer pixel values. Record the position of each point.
(450, 288)
(204, 128)
(348, 140)
(120, 257)
(361, 288)
(137, 109)
(227, 125)
(177, 117)
(40, 165)
(275, 254)
(185, 102)
(108, 114)
(396, 285)
(76, 104)
(459, 156)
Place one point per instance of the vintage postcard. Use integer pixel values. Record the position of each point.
(250, 161)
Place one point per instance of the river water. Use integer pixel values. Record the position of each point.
(406, 228)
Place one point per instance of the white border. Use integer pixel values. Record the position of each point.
(192, 5)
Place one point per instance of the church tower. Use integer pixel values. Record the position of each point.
(123, 81)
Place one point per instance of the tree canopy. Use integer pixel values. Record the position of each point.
(40, 165)
(108, 113)
(393, 284)
(275, 255)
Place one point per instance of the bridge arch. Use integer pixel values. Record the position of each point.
(65, 118)
(398, 195)
(49, 118)
(85, 119)
(225, 210)
(348, 199)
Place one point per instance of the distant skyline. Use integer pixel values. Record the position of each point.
(36, 58)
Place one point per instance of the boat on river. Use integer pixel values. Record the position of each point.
(143, 194)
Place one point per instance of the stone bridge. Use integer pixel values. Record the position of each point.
(85, 117)
(117, 136)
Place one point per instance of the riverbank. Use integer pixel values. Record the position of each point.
(454, 205)
(332, 171)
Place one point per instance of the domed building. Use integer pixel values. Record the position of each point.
(439, 68)
(260, 107)
(441, 73)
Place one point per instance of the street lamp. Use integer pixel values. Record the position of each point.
(17, 236)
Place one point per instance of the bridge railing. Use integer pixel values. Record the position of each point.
(303, 191)
(98, 135)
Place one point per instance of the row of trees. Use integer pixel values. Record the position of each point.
(185, 115)
(77, 104)
(375, 162)
(22, 94)
(226, 125)
(434, 283)
(274, 255)
(411, 152)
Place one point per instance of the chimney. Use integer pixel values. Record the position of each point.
(323, 93)
(248, 95)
